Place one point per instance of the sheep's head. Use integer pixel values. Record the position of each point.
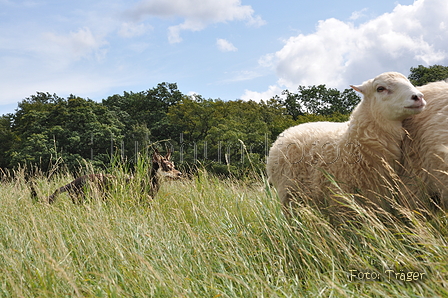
(392, 95)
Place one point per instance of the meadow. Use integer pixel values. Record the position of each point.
(205, 236)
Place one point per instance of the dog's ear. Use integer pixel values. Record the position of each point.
(168, 155)
(156, 155)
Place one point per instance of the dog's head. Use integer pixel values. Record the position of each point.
(164, 166)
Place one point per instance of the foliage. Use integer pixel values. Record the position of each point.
(219, 133)
(47, 129)
(146, 108)
(7, 138)
(422, 75)
(319, 100)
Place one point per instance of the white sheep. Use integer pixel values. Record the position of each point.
(425, 150)
(359, 154)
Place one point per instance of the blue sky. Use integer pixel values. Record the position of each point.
(228, 49)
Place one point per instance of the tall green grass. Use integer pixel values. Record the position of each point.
(205, 237)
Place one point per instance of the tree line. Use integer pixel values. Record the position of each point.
(222, 136)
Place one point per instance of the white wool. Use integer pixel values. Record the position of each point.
(425, 150)
(359, 154)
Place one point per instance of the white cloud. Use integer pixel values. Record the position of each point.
(225, 45)
(35, 61)
(91, 83)
(130, 29)
(258, 96)
(197, 14)
(174, 31)
(75, 45)
(63, 52)
(267, 60)
(339, 53)
(358, 14)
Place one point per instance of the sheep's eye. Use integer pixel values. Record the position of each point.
(380, 89)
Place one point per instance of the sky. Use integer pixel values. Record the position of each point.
(227, 49)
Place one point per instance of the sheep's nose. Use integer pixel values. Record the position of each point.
(417, 97)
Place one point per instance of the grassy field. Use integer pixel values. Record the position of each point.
(206, 237)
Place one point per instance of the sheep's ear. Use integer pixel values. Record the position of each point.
(357, 88)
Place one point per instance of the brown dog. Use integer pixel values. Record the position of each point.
(162, 166)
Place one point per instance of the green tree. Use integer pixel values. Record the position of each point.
(148, 108)
(226, 131)
(319, 100)
(7, 138)
(193, 117)
(48, 127)
(422, 75)
(276, 116)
